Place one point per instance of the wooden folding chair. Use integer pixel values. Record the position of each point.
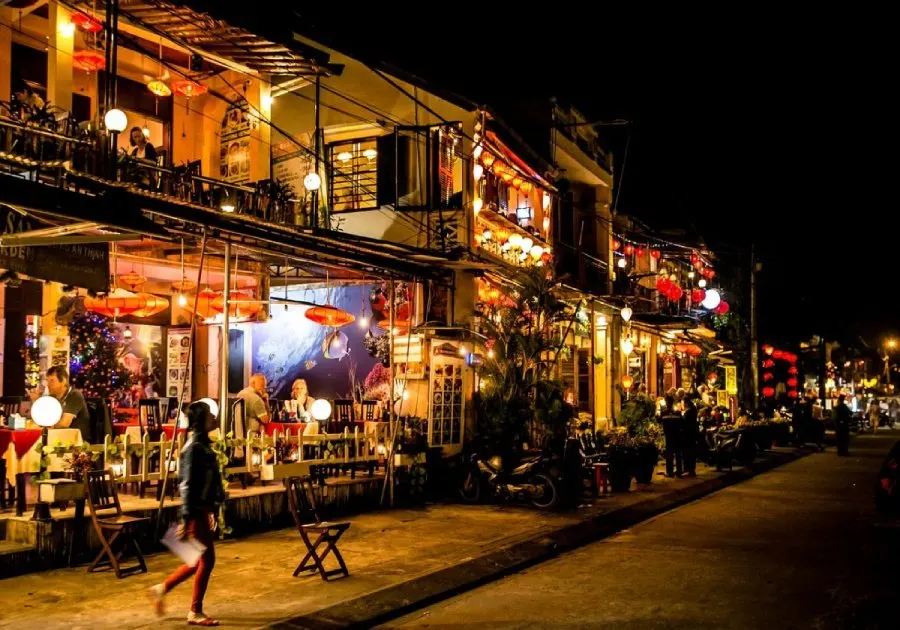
(302, 501)
(368, 410)
(114, 530)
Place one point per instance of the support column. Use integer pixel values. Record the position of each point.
(223, 349)
(59, 56)
(259, 96)
(5, 54)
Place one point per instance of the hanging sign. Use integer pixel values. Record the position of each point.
(731, 379)
(234, 143)
(178, 344)
(722, 398)
(85, 266)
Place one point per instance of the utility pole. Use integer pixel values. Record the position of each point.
(754, 339)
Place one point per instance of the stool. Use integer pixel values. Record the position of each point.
(601, 477)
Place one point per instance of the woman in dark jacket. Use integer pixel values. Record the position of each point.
(201, 494)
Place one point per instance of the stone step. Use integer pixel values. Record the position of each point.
(16, 558)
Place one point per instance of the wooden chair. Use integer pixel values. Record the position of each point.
(343, 415)
(115, 530)
(302, 501)
(369, 407)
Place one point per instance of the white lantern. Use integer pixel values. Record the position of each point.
(46, 411)
(536, 252)
(626, 314)
(370, 154)
(546, 200)
(477, 151)
(627, 346)
(115, 120)
(477, 205)
(701, 283)
(321, 410)
(712, 299)
(477, 171)
(213, 406)
(622, 263)
(345, 156)
(312, 181)
(526, 244)
(515, 239)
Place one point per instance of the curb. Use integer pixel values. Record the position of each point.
(401, 599)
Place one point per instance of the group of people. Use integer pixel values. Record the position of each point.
(257, 410)
(679, 418)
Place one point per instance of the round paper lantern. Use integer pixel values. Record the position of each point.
(768, 363)
(617, 245)
(792, 382)
(711, 300)
(115, 304)
(487, 159)
(46, 411)
(627, 346)
(329, 316)
(626, 313)
(663, 285)
(767, 376)
(768, 392)
(697, 295)
(629, 249)
(712, 377)
(695, 258)
(189, 88)
(115, 120)
(675, 293)
(639, 252)
(526, 187)
(321, 410)
(768, 349)
(791, 358)
(697, 265)
(655, 254)
(723, 307)
(335, 345)
(88, 61)
(627, 382)
(793, 394)
(778, 354)
(86, 23)
(710, 274)
(793, 370)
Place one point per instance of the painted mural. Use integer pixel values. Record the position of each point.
(290, 346)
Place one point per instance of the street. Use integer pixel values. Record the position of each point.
(797, 547)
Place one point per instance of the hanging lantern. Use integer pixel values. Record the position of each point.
(626, 313)
(793, 394)
(695, 258)
(526, 187)
(150, 305)
(723, 307)
(132, 279)
(639, 252)
(241, 305)
(115, 304)
(205, 300)
(793, 370)
(697, 295)
(697, 265)
(767, 349)
(159, 88)
(629, 249)
(676, 293)
(88, 61)
(701, 283)
(711, 273)
(655, 254)
(768, 392)
(791, 358)
(767, 376)
(516, 182)
(329, 316)
(189, 88)
(86, 23)
(335, 345)
(627, 382)
(712, 299)
(477, 171)
(663, 284)
(616, 245)
(690, 349)
(792, 382)
(768, 363)
(498, 168)
(627, 346)
(487, 159)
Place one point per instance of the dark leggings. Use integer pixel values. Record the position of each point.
(199, 529)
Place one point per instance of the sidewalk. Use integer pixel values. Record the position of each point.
(397, 559)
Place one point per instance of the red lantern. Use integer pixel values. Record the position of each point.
(617, 245)
(768, 376)
(793, 394)
(689, 349)
(768, 363)
(663, 285)
(639, 252)
(88, 60)
(697, 296)
(793, 370)
(329, 316)
(627, 382)
(695, 258)
(698, 265)
(186, 87)
(710, 274)
(629, 249)
(792, 382)
(791, 358)
(655, 254)
(768, 392)
(86, 23)
(778, 354)
(723, 307)
(675, 293)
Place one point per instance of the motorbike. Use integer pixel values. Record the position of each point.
(530, 481)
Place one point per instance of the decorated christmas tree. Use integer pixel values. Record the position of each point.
(95, 365)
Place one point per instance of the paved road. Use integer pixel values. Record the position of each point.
(797, 547)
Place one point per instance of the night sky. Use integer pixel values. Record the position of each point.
(760, 127)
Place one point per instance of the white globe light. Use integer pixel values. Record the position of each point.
(702, 283)
(626, 314)
(213, 406)
(477, 171)
(627, 346)
(46, 411)
(536, 252)
(515, 239)
(115, 120)
(526, 244)
(477, 205)
(312, 181)
(622, 263)
(711, 300)
(321, 409)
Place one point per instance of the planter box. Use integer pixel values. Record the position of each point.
(60, 490)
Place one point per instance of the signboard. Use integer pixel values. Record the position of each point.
(178, 345)
(731, 379)
(84, 266)
(234, 142)
(722, 398)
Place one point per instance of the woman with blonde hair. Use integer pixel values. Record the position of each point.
(300, 396)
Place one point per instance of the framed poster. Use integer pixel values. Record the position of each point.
(731, 379)
(178, 370)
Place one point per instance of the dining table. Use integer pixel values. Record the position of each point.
(17, 450)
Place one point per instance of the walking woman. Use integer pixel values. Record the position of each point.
(201, 494)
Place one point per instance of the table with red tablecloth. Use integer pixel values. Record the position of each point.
(23, 440)
(283, 427)
(17, 450)
(121, 428)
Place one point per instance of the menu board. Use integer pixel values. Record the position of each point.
(178, 348)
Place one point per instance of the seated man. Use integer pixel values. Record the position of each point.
(256, 407)
(75, 411)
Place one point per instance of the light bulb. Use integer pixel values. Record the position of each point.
(627, 346)
(66, 29)
(312, 181)
(702, 283)
(146, 131)
(490, 354)
(363, 322)
(115, 120)
(227, 206)
(477, 204)
(182, 300)
(477, 171)
(622, 263)
(462, 351)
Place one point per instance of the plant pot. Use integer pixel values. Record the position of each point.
(645, 463)
(621, 462)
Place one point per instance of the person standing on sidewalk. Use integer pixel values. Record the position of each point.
(842, 426)
(690, 432)
(201, 494)
(671, 422)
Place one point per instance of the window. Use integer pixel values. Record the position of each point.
(446, 401)
(354, 175)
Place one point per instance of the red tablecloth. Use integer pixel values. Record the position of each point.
(281, 427)
(24, 440)
(121, 427)
(169, 430)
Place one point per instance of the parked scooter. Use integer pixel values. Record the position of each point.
(729, 446)
(530, 481)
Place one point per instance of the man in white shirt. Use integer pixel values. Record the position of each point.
(256, 403)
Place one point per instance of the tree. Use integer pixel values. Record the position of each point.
(518, 392)
(95, 363)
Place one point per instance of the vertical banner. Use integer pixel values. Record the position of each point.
(722, 398)
(178, 345)
(731, 379)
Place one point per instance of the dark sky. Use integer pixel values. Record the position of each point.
(756, 127)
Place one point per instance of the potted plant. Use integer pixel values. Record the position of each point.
(622, 456)
(635, 419)
(647, 449)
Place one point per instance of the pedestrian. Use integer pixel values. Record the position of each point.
(671, 422)
(874, 414)
(690, 432)
(201, 494)
(842, 426)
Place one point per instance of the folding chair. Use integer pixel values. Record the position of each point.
(114, 530)
(302, 500)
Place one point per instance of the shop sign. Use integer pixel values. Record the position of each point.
(178, 344)
(731, 379)
(83, 265)
(234, 142)
(722, 398)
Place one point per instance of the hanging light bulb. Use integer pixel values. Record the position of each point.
(476, 152)
(127, 334)
(345, 156)
(626, 313)
(702, 283)
(627, 346)
(182, 300)
(146, 131)
(622, 263)
(477, 171)
(370, 154)
(477, 204)
(363, 322)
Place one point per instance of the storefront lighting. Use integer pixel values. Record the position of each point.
(622, 263)
(477, 204)
(146, 132)
(490, 354)
(345, 156)
(477, 171)
(46, 411)
(182, 300)
(627, 346)
(370, 154)
(265, 101)
(115, 120)
(66, 29)
(702, 283)
(711, 300)
(626, 313)
(462, 351)
(312, 181)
